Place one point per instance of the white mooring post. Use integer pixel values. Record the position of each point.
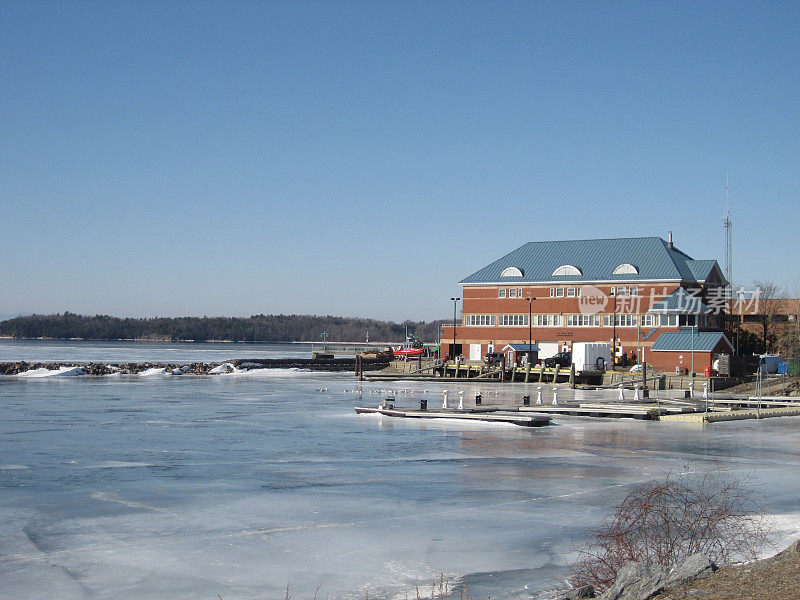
(705, 391)
(461, 400)
(636, 397)
(555, 396)
(691, 389)
(539, 395)
(621, 392)
(444, 399)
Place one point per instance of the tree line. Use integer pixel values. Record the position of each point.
(256, 328)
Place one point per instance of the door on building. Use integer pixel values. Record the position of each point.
(475, 352)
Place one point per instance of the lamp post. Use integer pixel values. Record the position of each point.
(530, 327)
(453, 350)
(614, 334)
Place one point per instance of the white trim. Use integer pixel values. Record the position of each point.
(512, 272)
(567, 270)
(626, 269)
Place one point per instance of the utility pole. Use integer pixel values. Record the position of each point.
(530, 327)
(455, 303)
(614, 334)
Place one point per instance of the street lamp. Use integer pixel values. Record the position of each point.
(614, 334)
(530, 327)
(453, 350)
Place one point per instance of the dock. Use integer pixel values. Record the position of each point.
(488, 414)
(423, 370)
(735, 415)
(611, 411)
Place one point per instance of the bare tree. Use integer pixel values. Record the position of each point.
(770, 305)
(789, 343)
(664, 522)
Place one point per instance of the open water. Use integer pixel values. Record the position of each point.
(131, 487)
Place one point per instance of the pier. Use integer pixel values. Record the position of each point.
(425, 369)
(546, 404)
(490, 415)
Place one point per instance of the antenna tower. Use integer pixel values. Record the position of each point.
(727, 225)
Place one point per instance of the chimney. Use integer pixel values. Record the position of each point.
(670, 245)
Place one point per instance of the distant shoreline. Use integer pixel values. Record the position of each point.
(156, 341)
(280, 329)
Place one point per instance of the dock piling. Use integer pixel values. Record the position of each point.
(555, 396)
(644, 379)
(444, 399)
(461, 400)
(539, 395)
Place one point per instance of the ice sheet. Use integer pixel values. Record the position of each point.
(183, 487)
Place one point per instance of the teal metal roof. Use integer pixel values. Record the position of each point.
(522, 347)
(681, 341)
(595, 259)
(701, 269)
(680, 302)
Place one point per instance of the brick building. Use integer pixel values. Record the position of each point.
(626, 290)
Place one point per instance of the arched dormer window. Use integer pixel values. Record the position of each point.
(511, 272)
(626, 269)
(567, 270)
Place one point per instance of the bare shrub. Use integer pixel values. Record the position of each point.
(664, 522)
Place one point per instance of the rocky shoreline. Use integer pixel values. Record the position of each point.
(774, 578)
(240, 364)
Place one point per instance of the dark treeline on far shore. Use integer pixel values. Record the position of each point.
(257, 328)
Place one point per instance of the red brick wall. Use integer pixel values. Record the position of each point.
(483, 300)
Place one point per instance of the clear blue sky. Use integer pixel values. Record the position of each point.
(359, 158)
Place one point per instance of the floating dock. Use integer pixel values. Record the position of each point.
(487, 414)
(612, 411)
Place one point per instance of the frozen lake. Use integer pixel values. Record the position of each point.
(188, 487)
(164, 352)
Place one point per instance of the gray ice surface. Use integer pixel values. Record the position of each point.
(189, 487)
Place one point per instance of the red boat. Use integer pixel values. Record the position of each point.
(411, 347)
